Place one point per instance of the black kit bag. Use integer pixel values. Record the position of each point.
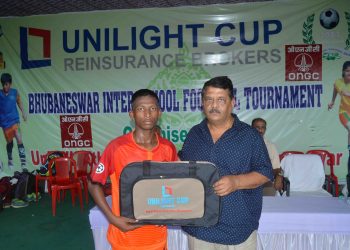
(25, 184)
(170, 193)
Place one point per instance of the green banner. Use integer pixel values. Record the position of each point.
(76, 72)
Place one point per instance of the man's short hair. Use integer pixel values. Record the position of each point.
(5, 78)
(143, 92)
(258, 120)
(222, 82)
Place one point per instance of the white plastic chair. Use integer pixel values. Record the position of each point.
(306, 175)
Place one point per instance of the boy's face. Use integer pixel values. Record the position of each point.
(145, 112)
(6, 87)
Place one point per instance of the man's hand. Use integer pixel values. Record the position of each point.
(230, 183)
(24, 116)
(278, 184)
(226, 185)
(124, 224)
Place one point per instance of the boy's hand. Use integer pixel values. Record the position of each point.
(125, 224)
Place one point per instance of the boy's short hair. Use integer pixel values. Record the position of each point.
(6, 78)
(143, 92)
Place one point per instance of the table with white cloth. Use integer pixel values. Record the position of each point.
(293, 223)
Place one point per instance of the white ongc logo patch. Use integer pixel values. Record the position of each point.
(100, 168)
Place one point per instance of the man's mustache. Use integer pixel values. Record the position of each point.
(213, 110)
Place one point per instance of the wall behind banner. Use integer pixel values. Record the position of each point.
(76, 72)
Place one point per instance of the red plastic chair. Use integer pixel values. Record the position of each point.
(285, 153)
(331, 179)
(65, 178)
(84, 162)
(39, 177)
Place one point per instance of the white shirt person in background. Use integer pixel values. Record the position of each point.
(260, 125)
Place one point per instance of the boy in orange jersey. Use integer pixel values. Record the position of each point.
(141, 144)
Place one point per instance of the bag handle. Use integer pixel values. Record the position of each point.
(146, 168)
(192, 169)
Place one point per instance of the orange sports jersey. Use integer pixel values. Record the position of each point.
(119, 153)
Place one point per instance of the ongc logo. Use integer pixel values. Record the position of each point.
(304, 62)
(76, 131)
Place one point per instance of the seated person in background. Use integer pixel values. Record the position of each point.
(260, 125)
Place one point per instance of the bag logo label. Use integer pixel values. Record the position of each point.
(167, 200)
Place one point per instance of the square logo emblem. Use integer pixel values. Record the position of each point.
(76, 131)
(43, 45)
(303, 62)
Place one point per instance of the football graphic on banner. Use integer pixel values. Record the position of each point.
(329, 18)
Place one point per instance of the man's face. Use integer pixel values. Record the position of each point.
(6, 87)
(260, 126)
(217, 104)
(145, 113)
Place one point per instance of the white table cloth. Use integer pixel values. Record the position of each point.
(290, 223)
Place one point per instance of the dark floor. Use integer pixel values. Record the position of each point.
(34, 227)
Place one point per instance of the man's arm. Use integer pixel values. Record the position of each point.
(20, 106)
(124, 224)
(230, 183)
(260, 171)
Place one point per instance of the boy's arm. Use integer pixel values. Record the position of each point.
(124, 224)
(20, 106)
